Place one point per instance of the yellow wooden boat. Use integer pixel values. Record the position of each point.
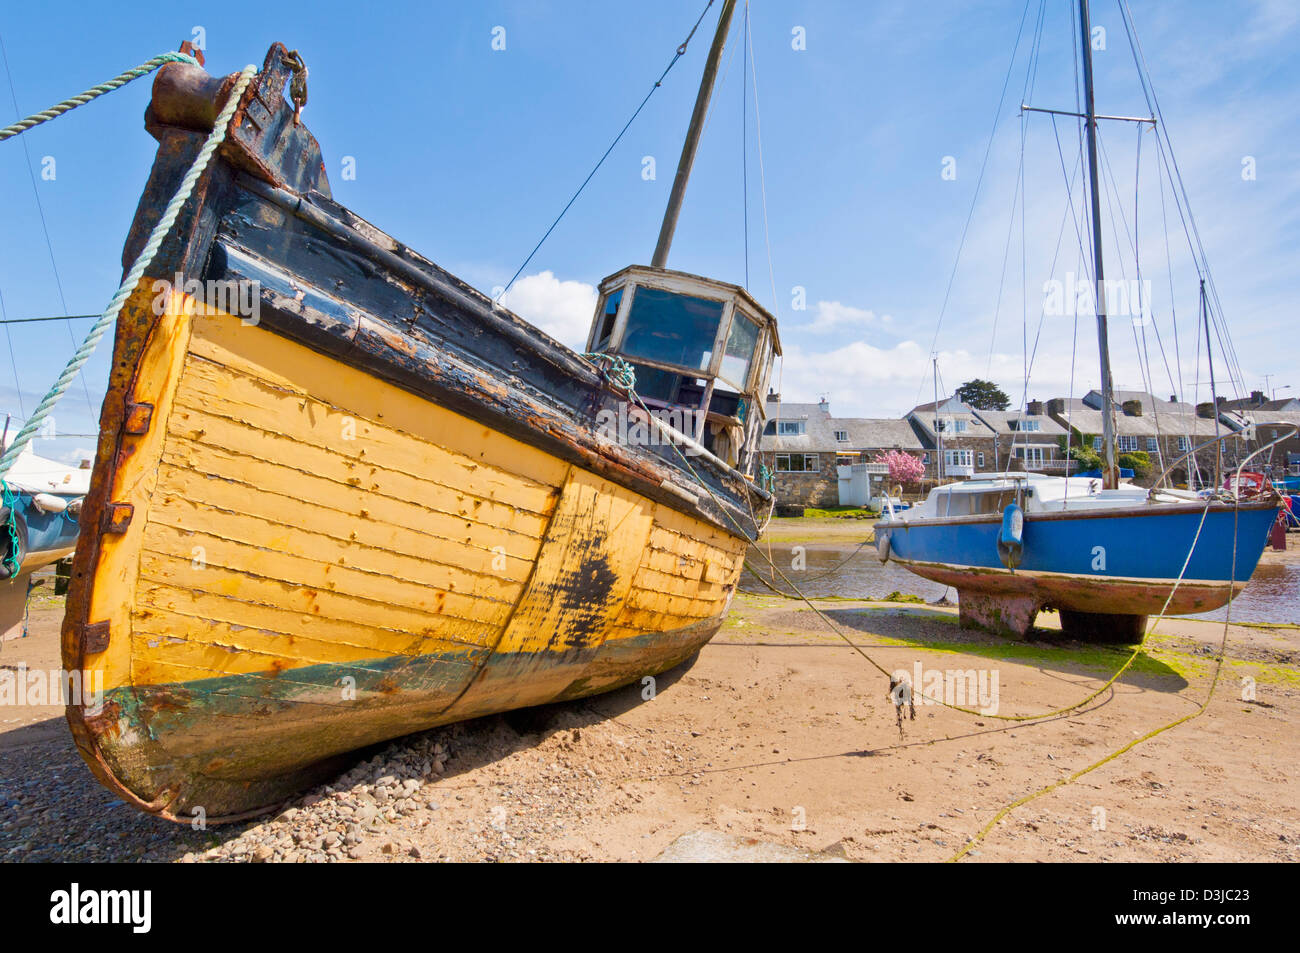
(340, 496)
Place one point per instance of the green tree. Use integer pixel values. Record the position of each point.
(1138, 461)
(983, 395)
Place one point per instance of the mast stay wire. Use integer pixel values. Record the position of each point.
(681, 51)
(45, 229)
(970, 215)
(1182, 202)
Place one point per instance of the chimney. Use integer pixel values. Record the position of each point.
(1257, 397)
(1173, 398)
(1056, 406)
(1132, 408)
(824, 406)
(1205, 410)
(773, 396)
(1035, 408)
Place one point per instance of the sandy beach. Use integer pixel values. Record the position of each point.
(779, 736)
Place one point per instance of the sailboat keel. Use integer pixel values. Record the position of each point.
(1007, 614)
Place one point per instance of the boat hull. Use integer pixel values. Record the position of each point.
(317, 560)
(1124, 562)
(365, 502)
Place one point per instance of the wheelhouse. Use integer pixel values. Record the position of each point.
(702, 351)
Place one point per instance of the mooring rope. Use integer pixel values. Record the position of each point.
(95, 92)
(142, 261)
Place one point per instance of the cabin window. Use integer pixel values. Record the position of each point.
(741, 341)
(797, 463)
(608, 317)
(789, 428)
(658, 384)
(672, 328)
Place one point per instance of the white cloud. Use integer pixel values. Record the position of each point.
(834, 316)
(74, 456)
(563, 309)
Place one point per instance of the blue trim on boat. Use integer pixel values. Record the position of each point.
(1145, 545)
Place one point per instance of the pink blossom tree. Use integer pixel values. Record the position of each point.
(903, 467)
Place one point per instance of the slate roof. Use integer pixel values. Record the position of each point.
(864, 433)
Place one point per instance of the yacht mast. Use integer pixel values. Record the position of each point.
(692, 142)
(1110, 472)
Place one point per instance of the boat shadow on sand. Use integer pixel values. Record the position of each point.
(934, 629)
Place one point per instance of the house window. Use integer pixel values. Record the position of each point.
(797, 463)
(1027, 426)
(959, 426)
(980, 458)
(959, 458)
(846, 459)
(1033, 457)
(1096, 443)
(1127, 444)
(789, 428)
(1183, 445)
(842, 436)
(1153, 445)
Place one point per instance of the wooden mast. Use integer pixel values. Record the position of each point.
(1110, 471)
(692, 142)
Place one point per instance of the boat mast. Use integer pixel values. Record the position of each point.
(1110, 473)
(692, 142)
(1214, 392)
(938, 430)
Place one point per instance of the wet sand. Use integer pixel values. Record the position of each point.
(778, 731)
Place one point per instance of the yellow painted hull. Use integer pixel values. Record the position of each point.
(307, 560)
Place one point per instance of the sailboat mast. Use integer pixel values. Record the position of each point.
(1111, 472)
(938, 430)
(692, 142)
(1214, 391)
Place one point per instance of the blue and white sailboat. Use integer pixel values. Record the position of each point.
(1105, 555)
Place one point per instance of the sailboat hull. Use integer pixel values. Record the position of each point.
(1122, 562)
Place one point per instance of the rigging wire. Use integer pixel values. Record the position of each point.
(744, 137)
(762, 170)
(681, 51)
(40, 209)
(13, 362)
(1190, 228)
(970, 215)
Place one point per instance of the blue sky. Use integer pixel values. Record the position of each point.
(467, 153)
